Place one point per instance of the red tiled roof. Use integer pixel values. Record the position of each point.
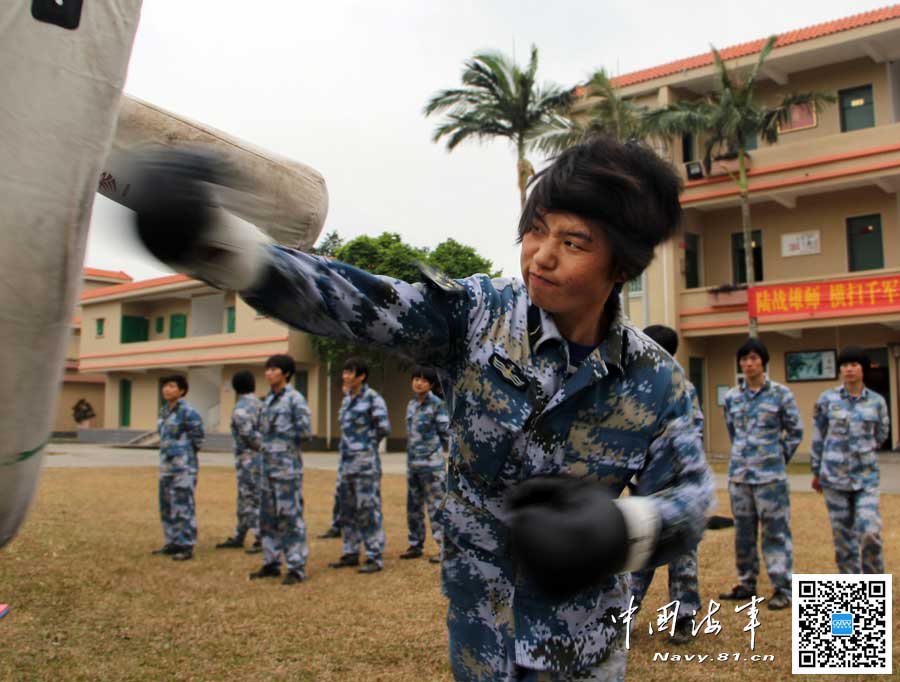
(110, 274)
(132, 286)
(744, 49)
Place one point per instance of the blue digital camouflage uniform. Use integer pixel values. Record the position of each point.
(847, 432)
(428, 436)
(364, 422)
(247, 463)
(517, 412)
(683, 569)
(765, 430)
(180, 438)
(284, 421)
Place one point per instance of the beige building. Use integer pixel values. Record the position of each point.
(825, 213)
(77, 384)
(135, 333)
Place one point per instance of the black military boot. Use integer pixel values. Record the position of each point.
(255, 548)
(371, 566)
(267, 571)
(294, 577)
(412, 553)
(345, 561)
(232, 543)
(166, 549)
(330, 533)
(184, 553)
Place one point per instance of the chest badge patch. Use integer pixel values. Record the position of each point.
(509, 371)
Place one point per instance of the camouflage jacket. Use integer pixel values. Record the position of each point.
(244, 420)
(284, 421)
(517, 413)
(765, 430)
(364, 422)
(428, 433)
(846, 434)
(180, 438)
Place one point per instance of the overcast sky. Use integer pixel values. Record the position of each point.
(340, 86)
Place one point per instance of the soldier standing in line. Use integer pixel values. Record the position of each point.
(557, 401)
(180, 439)
(364, 422)
(683, 570)
(247, 461)
(428, 434)
(284, 421)
(849, 424)
(765, 429)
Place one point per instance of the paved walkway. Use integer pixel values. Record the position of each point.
(81, 455)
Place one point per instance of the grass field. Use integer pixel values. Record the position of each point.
(88, 602)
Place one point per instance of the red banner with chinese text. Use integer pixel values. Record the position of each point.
(870, 295)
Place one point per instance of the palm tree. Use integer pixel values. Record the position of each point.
(598, 111)
(498, 99)
(729, 118)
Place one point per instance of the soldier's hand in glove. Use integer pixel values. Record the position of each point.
(180, 223)
(569, 534)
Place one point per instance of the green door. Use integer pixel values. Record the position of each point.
(125, 403)
(178, 326)
(864, 247)
(857, 108)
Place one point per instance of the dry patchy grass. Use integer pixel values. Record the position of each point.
(90, 603)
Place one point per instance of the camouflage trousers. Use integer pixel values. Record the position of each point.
(425, 488)
(281, 525)
(766, 505)
(361, 519)
(176, 508)
(683, 584)
(336, 507)
(248, 468)
(486, 636)
(855, 525)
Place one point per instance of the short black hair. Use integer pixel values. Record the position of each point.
(664, 336)
(357, 365)
(752, 345)
(177, 379)
(626, 190)
(854, 354)
(283, 362)
(425, 372)
(243, 382)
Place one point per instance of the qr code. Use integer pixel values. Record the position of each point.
(841, 624)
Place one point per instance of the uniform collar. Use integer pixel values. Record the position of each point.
(846, 395)
(767, 384)
(612, 349)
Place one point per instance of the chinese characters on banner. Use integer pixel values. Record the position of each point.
(827, 299)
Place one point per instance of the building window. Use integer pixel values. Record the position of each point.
(229, 320)
(801, 117)
(691, 260)
(864, 246)
(177, 326)
(695, 374)
(857, 108)
(135, 329)
(160, 325)
(738, 263)
(100, 323)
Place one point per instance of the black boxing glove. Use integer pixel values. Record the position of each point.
(569, 534)
(180, 223)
